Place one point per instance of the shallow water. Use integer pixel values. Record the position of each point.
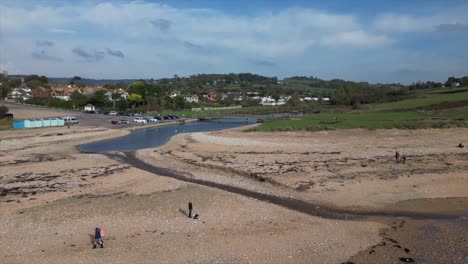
(157, 136)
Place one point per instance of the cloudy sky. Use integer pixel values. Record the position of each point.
(364, 40)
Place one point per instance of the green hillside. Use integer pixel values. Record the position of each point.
(435, 108)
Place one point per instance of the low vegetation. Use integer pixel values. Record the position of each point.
(431, 109)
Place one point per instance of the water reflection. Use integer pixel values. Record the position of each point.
(154, 137)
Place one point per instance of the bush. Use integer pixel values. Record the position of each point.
(3, 111)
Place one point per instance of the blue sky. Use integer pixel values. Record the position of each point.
(362, 40)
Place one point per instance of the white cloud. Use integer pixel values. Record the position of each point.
(191, 40)
(21, 19)
(61, 31)
(288, 32)
(391, 22)
(356, 38)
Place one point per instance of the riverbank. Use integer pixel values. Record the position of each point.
(52, 196)
(352, 170)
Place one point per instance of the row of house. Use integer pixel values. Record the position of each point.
(23, 92)
(263, 100)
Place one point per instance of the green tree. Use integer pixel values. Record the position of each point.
(115, 97)
(122, 105)
(99, 98)
(74, 80)
(295, 100)
(3, 111)
(179, 103)
(135, 99)
(80, 84)
(78, 99)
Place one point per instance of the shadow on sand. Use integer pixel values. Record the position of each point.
(182, 211)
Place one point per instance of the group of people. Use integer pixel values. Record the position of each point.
(397, 157)
(99, 232)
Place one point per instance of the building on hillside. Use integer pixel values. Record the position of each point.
(89, 108)
(211, 96)
(40, 91)
(23, 92)
(123, 94)
(315, 99)
(267, 100)
(190, 98)
(174, 94)
(224, 96)
(63, 94)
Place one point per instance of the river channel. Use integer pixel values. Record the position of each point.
(158, 136)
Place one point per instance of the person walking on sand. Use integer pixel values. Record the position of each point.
(190, 208)
(397, 155)
(98, 238)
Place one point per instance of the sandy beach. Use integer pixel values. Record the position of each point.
(52, 197)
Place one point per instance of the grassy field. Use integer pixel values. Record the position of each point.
(435, 108)
(425, 99)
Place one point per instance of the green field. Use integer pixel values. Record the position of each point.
(424, 100)
(405, 114)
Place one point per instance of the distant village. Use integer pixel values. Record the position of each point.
(64, 92)
(202, 91)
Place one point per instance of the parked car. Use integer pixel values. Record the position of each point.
(115, 122)
(112, 113)
(158, 117)
(151, 119)
(124, 122)
(70, 120)
(139, 119)
(166, 117)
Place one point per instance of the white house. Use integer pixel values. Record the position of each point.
(122, 92)
(191, 98)
(89, 108)
(62, 97)
(21, 92)
(267, 100)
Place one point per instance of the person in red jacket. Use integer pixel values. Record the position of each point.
(397, 155)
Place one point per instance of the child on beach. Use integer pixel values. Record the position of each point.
(98, 237)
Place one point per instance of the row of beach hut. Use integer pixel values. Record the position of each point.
(34, 123)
